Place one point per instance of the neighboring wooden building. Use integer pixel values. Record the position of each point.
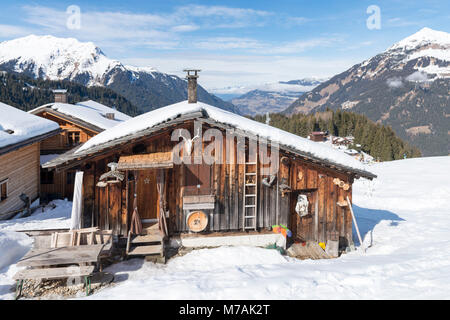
(232, 195)
(318, 136)
(20, 137)
(79, 122)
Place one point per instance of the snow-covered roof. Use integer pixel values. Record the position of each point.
(153, 118)
(18, 126)
(90, 112)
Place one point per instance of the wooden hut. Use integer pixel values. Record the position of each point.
(20, 136)
(79, 123)
(240, 193)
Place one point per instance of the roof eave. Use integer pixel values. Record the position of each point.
(24, 143)
(69, 118)
(204, 116)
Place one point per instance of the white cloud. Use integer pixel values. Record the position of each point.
(228, 43)
(417, 76)
(297, 20)
(145, 29)
(220, 11)
(100, 26)
(7, 31)
(237, 59)
(302, 45)
(245, 70)
(185, 28)
(395, 82)
(401, 22)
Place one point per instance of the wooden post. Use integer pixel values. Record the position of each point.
(316, 218)
(356, 225)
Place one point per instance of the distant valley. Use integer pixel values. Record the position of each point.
(268, 97)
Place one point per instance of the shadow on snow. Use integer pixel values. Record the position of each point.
(367, 219)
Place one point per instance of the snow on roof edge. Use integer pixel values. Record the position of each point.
(24, 126)
(89, 111)
(165, 114)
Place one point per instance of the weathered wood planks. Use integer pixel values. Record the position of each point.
(61, 256)
(225, 182)
(54, 273)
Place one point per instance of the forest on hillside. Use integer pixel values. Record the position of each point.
(26, 93)
(380, 141)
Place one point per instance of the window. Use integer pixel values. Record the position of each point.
(70, 177)
(3, 190)
(47, 177)
(73, 138)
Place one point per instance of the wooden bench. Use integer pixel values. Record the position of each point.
(82, 247)
(54, 273)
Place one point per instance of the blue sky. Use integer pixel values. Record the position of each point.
(233, 42)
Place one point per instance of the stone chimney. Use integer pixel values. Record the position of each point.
(192, 84)
(110, 116)
(60, 95)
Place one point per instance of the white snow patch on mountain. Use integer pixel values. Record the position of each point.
(55, 58)
(422, 38)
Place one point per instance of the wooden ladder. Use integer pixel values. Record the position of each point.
(250, 208)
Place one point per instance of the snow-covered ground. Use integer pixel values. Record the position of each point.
(404, 217)
(14, 245)
(57, 218)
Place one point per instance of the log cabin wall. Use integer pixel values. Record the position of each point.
(19, 169)
(60, 184)
(60, 143)
(327, 220)
(226, 183)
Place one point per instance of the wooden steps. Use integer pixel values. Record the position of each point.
(145, 250)
(148, 243)
(147, 238)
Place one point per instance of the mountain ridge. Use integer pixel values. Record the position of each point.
(407, 87)
(52, 58)
(271, 97)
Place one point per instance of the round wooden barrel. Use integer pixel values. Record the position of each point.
(197, 221)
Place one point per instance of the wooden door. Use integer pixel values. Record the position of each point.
(302, 227)
(110, 208)
(147, 194)
(115, 207)
(197, 179)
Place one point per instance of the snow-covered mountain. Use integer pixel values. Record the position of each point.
(53, 58)
(428, 49)
(407, 87)
(268, 97)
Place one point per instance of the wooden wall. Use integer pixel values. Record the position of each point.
(21, 168)
(59, 143)
(327, 220)
(226, 182)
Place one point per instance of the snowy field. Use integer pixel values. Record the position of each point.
(404, 218)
